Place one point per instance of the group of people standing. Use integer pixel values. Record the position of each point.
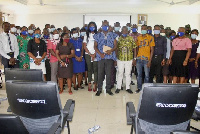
(108, 53)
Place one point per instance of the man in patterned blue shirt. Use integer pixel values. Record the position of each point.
(105, 46)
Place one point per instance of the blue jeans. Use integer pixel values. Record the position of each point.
(139, 65)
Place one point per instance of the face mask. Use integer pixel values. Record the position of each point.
(24, 32)
(172, 37)
(75, 35)
(149, 31)
(163, 34)
(92, 29)
(45, 36)
(18, 31)
(134, 30)
(56, 36)
(83, 33)
(193, 36)
(156, 31)
(49, 29)
(117, 29)
(37, 35)
(144, 32)
(124, 35)
(187, 31)
(181, 34)
(86, 28)
(105, 28)
(13, 30)
(52, 29)
(30, 31)
(129, 28)
(66, 40)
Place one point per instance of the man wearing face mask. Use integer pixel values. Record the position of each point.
(117, 28)
(149, 30)
(129, 27)
(82, 32)
(13, 29)
(105, 46)
(158, 59)
(145, 50)
(125, 48)
(9, 49)
(162, 32)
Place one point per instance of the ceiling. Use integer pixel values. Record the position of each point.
(98, 6)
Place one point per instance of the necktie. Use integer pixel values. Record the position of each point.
(9, 42)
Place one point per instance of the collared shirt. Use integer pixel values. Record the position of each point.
(168, 48)
(125, 48)
(5, 47)
(145, 43)
(160, 46)
(134, 36)
(37, 49)
(182, 44)
(107, 40)
(52, 45)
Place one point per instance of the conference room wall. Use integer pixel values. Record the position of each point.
(73, 20)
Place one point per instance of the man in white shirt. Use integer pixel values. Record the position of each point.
(9, 49)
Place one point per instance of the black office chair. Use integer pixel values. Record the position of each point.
(38, 105)
(163, 108)
(23, 74)
(196, 116)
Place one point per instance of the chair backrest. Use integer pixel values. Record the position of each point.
(23, 74)
(11, 124)
(166, 107)
(37, 103)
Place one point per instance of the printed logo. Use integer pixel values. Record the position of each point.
(171, 105)
(32, 101)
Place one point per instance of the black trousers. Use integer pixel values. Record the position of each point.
(156, 69)
(48, 69)
(105, 68)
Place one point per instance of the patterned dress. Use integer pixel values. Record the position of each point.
(23, 55)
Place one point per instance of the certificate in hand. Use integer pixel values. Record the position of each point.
(105, 48)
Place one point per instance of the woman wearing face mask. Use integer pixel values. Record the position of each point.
(51, 46)
(90, 55)
(64, 53)
(193, 71)
(23, 43)
(37, 51)
(78, 60)
(30, 32)
(179, 56)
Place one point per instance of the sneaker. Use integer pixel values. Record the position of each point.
(110, 93)
(129, 91)
(137, 91)
(132, 83)
(98, 93)
(117, 91)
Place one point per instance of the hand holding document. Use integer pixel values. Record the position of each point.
(107, 49)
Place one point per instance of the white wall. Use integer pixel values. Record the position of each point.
(74, 20)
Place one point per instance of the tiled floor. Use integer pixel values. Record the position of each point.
(106, 111)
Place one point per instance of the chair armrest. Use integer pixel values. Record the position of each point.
(184, 132)
(54, 128)
(69, 109)
(130, 113)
